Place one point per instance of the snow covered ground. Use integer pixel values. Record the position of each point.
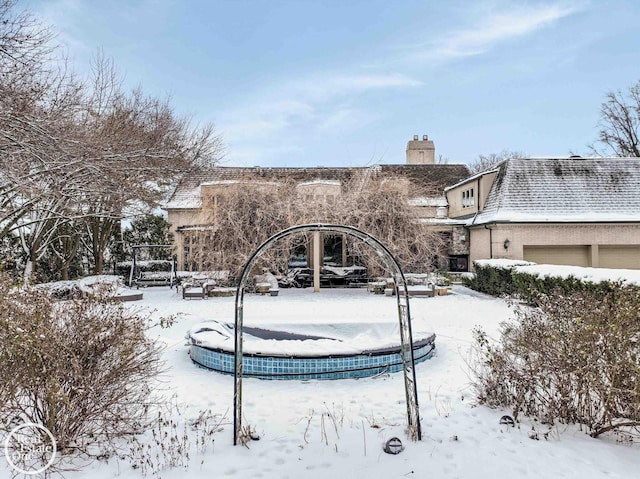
(320, 429)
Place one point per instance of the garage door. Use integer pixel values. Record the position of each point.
(571, 255)
(620, 257)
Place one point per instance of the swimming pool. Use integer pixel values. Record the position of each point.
(306, 351)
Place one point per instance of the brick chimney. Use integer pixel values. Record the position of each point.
(421, 152)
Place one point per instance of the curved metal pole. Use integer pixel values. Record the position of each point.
(404, 317)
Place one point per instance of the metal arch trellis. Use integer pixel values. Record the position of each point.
(404, 317)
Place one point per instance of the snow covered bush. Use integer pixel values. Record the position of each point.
(61, 289)
(532, 283)
(82, 368)
(96, 285)
(573, 359)
(493, 278)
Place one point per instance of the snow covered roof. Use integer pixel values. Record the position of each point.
(472, 178)
(428, 201)
(443, 221)
(238, 182)
(186, 195)
(564, 190)
(320, 182)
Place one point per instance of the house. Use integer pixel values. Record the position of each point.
(570, 211)
(192, 209)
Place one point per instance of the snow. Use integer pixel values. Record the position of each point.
(189, 198)
(239, 182)
(320, 429)
(337, 338)
(502, 263)
(145, 263)
(319, 182)
(590, 275)
(428, 201)
(103, 282)
(492, 169)
(509, 216)
(268, 280)
(345, 270)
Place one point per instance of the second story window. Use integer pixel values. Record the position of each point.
(468, 199)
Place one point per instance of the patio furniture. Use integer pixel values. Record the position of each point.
(198, 286)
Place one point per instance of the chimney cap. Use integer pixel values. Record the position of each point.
(425, 137)
(415, 137)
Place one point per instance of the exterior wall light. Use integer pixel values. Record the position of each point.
(506, 244)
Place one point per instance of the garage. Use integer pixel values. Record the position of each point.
(620, 256)
(578, 255)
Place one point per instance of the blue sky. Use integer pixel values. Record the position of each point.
(348, 82)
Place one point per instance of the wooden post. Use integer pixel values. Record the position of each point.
(344, 250)
(317, 251)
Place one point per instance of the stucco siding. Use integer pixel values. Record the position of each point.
(484, 186)
(479, 244)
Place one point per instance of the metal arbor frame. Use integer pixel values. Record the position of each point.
(402, 295)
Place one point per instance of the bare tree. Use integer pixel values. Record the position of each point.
(485, 162)
(38, 179)
(81, 152)
(23, 39)
(620, 124)
(137, 148)
(65, 246)
(244, 215)
(34, 96)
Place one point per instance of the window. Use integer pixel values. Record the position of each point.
(458, 263)
(468, 200)
(333, 250)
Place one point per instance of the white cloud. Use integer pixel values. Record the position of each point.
(343, 118)
(260, 154)
(326, 87)
(283, 119)
(492, 29)
(314, 104)
(263, 118)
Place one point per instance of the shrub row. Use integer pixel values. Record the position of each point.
(507, 278)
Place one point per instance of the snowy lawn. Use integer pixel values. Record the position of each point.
(320, 429)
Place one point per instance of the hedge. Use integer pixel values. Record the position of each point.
(517, 278)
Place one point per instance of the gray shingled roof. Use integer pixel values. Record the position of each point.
(564, 190)
(429, 177)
